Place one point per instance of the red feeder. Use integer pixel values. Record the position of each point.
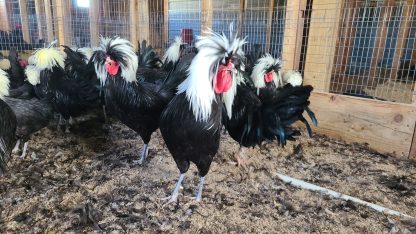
(187, 35)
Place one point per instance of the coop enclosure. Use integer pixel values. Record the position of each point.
(358, 54)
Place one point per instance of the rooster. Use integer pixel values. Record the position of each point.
(137, 103)
(191, 123)
(69, 96)
(266, 106)
(8, 123)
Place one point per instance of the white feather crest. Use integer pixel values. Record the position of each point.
(4, 84)
(87, 52)
(47, 58)
(124, 47)
(198, 85)
(32, 74)
(262, 64)
(293, 77)
(5, 64)
(174, 51)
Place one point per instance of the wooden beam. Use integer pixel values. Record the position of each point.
(144, 20)
(4, 19)
(270, 12)
(94, 12)
(63, 19)
(402, 37)
(38, 10)
(206, 15)
(347, 36)
(48, 14)
(381, 38)
(165, 35)
(133, 22)
(323, 33)
(291, 45)
(24, 20)
(241, 17)
(387, 127)
(412, 153)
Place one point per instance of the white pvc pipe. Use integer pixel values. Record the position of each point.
(312, 187)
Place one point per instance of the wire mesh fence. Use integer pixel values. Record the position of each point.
(355, 47)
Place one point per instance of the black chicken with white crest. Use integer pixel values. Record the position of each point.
(266, 106)
(8, 123)
(137, 103)
(191, 123)
(69, 97)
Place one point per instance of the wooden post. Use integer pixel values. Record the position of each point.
(206, 15)
(38, 9)
(241, 17)
(48, 14)
(323, 33)
(412, 153)
(94, 12)
(62, 12)
(165, 35)
(4, 19)
(269, 24)
(24, 20)
(144, 20)
(381, 37)
(402, 36)
(133, 22)
(292, 41)
(345, 44)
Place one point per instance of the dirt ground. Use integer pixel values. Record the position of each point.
(86, 181)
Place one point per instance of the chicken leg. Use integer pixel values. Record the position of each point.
(16, 147)
(199, 189)
(174, 197)
(241, 158)
(24, 150)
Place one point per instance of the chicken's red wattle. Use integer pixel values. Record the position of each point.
(268, 77)
(223, 80)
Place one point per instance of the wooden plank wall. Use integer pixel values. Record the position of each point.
(387, 127)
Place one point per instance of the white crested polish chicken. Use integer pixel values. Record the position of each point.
(191, 123)
(266, 106)
(69, 96)
(135, 102)
(8, 123)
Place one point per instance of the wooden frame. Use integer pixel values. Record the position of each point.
(386, 127)
(165, 35)
(133, 22)
(144, 20)
(269, 24)
(402, 37)
(206, 15)
(24, 20)
(348, 34)
(48, 14)
(63, 10)
(380, 43)
(38, 10)
(4, 19)
(321, 52)
(94, 12)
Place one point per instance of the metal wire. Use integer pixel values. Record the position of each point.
(366, 49)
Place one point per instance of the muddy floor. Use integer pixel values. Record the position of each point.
(87, 181)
